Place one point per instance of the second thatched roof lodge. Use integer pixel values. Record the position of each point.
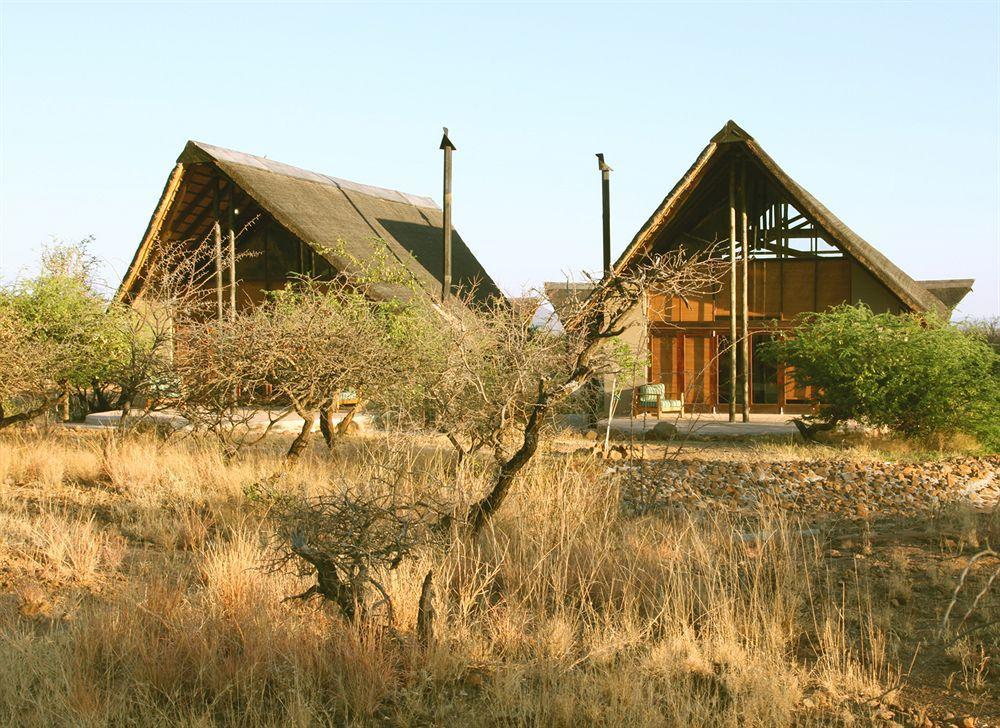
(300, 219)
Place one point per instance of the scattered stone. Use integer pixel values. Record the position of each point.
(853, 490)
(590, 435)
(662, 431)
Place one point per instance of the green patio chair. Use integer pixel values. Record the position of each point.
(652, 398)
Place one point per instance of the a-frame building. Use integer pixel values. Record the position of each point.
(788, 255)
(286, 221)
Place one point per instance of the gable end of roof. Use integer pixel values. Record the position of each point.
(911, 293)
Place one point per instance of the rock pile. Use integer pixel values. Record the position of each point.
(840, 488)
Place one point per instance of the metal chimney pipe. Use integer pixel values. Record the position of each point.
(448, 148)
(606, 211)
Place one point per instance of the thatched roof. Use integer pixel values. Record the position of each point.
(327, 212)
(950, 292)
(910, 292)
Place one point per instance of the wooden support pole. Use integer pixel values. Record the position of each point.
(778, 219)
(745, 314)
(232, 274)
(217, 235)
(232, 254)
(732, 293)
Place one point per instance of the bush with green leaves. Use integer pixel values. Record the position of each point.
(55, 331)
(914, 374)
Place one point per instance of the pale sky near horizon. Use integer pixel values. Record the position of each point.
(889, 113)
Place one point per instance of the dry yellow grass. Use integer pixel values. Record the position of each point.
(132, 594)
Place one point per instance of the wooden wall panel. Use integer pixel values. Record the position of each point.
(764, 290)
(697, 369)
(677, 309)
(794, 393)
(695, 309)
(799, 287)
(776, 289)
(660, 308)
(722, 299)
(666, 362)
(833, 287)
(770, 307)
(251, 293)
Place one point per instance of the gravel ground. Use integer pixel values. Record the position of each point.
(839, 488)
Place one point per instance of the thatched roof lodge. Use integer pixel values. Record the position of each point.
(788, 255)
(300, 219)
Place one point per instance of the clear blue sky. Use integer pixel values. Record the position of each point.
(888, 113)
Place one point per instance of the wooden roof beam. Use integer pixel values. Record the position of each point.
(152, 230)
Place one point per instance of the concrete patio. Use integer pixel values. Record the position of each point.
(254, 421)
(708, 425)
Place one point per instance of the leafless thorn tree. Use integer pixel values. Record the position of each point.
(504, 377)
(349, 540)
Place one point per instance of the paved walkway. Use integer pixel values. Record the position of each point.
(708, 424)
(255, 420)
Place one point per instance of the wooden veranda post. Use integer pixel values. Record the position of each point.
(744, 313)
(232, 254)
(732, 293)
(448, 148)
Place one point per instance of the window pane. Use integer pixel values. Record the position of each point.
(763, 375)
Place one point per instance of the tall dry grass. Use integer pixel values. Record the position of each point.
(134, 596)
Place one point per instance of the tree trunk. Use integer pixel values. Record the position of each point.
(809, 430)
(64, 402)
(100, 396)
(344, 424)
(459, 450)
(425, 611)
(27, 416)
(302, 439)
(483, 510)
(123, 417)
(326, 425)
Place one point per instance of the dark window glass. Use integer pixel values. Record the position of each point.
(763, 375)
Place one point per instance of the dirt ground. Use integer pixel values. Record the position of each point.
(922, 572)
(899, 533)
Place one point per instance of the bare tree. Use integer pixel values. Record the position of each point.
(505, 377)
(481, 386)
(488, 378)
(175, 296)
(298, 351)
(351, 538)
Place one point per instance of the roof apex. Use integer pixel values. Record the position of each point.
(731, 132)
(914, 295)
